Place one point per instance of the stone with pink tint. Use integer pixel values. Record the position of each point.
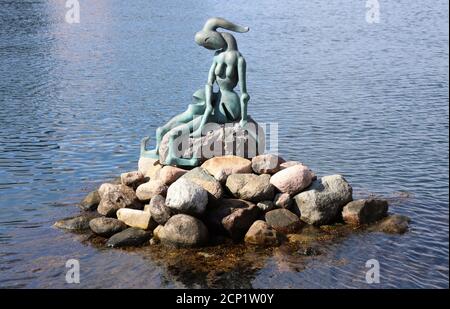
(169, 174)
(292, 180)
(287, 164)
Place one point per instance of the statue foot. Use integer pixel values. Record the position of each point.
(153, 154)
(170, 160)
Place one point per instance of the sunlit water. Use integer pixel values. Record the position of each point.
(369, 101)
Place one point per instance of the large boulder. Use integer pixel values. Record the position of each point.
(169, 174)
(130, 237)
(222, 167)
(115, 197)
(283, 221)
(150, 189)
(364, 211)
(106, 227)
(182, 231)
(322, 203)
(251, 187)
(266, 164)
(136, 218)
(158, 209)
(261, 234)
(186, 197)
(292, 180)
(132, 179)
(239, 221)
(91, 201)
(199, 176)
(221, 140)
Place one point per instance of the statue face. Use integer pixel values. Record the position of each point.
(210, 39)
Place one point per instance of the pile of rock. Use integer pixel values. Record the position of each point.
(260, 201)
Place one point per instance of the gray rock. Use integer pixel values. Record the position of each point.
(219, 209)
(158, 209)
(132, 179)
(394, 224)
(283, 200)
(186, 197)
(266, 206)
(266, 164)
(283, 221)
(183, 231)
(199, 176)
(323, 201)
(78, 223)
(116, 197)
(364, 211)
(261, 234)
(131, 237)
(239, 221)
(251, 187)
(91, 201)
(106, 227)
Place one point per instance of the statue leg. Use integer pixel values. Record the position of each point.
(171, 158)
(180, 119)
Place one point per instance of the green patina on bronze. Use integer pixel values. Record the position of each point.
(227, 70)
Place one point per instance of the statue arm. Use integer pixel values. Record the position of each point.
(208, 98)
(242, 67)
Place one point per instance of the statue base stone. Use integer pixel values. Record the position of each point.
(223, 139)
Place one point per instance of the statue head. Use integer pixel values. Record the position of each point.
(209, 38)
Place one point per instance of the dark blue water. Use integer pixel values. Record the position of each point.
(369, 101)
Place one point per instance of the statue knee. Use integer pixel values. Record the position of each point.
(199, 96)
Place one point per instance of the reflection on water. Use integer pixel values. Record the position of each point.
(367, 101)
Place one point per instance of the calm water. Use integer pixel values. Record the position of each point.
(369, 101)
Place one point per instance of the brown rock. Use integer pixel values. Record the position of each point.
(150, 189)
(251, 187)
(283, 221)
(364, 211)
(132, 179)
(219, 209)
(260, 233)
(239, 221)
(394, 224)
(222, 167)
(91, 201)
(169, 174)
(115, 197)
